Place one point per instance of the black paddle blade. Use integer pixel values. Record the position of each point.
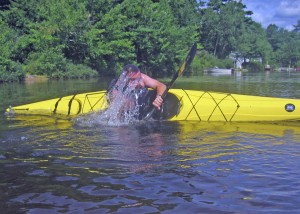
(185, 65)
(182, 69)
(188, 60)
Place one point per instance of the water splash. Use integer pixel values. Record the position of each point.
(123, 105)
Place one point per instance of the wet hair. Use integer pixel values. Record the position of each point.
(131, 68)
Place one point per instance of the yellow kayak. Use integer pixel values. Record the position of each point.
(180, 105)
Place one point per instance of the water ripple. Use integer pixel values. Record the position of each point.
(158, 167)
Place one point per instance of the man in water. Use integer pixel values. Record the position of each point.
(133, 84)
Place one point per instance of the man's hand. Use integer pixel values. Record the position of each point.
(158, 101)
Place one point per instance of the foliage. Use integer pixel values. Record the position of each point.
(253, 66)
(79, 38)
(46, 62)
(297, 27)
(10, 70)
(205, 60)
(285, 46)
(226, 27)
(75, 71)
(254, 47)
(222, 26)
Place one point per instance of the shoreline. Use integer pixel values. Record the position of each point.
(29, 78)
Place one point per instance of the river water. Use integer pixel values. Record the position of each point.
(54, 165)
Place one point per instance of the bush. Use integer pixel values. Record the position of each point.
(75, 71)
(53, 64)
(45, 63)
(204, 60)
(253, 66)
(11, 71)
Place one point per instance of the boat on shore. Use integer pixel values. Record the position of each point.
(179, 105)
(267, 68)
(219, 71)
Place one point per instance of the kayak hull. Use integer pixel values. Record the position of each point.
(68, 105)
(180, 105)
(212, 106)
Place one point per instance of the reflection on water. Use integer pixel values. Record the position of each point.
(56, 165)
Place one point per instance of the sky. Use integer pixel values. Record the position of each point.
(283, 13)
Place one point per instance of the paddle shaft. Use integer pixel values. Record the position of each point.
(181, 70)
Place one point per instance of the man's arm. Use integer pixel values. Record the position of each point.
(155, 85)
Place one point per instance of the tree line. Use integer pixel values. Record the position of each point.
(83, 38)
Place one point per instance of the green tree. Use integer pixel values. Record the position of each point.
(109, 43)
(273, 34)
(222, 23)
(4, 4)
(297, 27)
(142, 32)
(253, 44)
(49, 37)
(60, 23)
(285, 45)
(9, 69)
(289, 52)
